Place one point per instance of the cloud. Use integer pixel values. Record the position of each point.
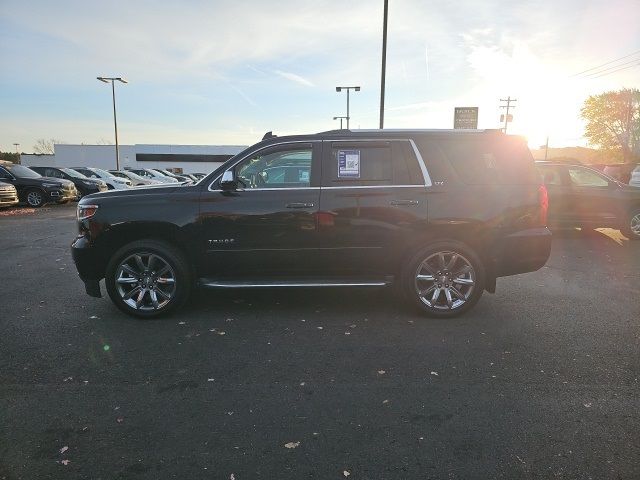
(294, 78)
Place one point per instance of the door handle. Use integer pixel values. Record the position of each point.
(299, 205)
(403, 202)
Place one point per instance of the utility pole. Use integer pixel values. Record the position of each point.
(384, 61)
(546, 149)
(509, 101)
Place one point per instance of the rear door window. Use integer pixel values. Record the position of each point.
(479, 160)
(551, 175)
(370, 163)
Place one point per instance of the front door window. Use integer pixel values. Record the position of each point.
(289, 168)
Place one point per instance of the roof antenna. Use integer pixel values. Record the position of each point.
(268, 135)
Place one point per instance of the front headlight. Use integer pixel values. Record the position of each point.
(51, 185)
(86, 211)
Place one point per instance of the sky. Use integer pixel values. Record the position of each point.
(225, 72)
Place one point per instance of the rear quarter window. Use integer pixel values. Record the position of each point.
(491, 161)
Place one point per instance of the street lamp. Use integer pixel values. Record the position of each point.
(112, 81)
(16, 145)
(341, 118)
(339, 89)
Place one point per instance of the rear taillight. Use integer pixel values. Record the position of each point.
(543, 201)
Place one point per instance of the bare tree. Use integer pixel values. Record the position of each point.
(104, 141)
(45, 147)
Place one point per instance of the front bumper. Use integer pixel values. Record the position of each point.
(62, 195)
(8, 198)
(521, 252)
(87, 260)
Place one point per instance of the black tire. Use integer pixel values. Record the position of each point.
(161, 252)
(34, 198)
(632, 223)
(442, 277)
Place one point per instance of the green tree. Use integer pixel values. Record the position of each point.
(12, 157)
(613, 122)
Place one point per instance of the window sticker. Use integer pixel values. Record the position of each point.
(303, 176)
(348, 163)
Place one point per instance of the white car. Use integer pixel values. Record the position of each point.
(136, 180)
(635, 177)
(152, 175)
(113, 182)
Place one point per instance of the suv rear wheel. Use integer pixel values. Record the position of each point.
(148, 278)
(444, 279)
(631, 229)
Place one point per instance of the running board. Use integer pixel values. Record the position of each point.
(315, 282)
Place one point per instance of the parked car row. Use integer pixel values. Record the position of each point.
(37, 186)
(34, 189)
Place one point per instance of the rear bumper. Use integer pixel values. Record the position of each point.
(87, 260)
(521, 252)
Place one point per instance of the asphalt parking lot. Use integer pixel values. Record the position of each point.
(538, 381)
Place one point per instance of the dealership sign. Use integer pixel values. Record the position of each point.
(465, 118)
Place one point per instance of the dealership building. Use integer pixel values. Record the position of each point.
(180, 158)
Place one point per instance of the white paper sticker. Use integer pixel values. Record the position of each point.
(349, 163)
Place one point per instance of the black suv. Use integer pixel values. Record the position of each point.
(84, 185)
(440, 214)
(33, 188)
(580, 196)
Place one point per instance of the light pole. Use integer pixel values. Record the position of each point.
(341, 118)
(112, 81)
(339, 89)
(384, 61)
(16, 145)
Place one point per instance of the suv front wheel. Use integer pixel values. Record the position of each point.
(444, 279)
(148, 278)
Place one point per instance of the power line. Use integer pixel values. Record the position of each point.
(611, 68)
(606, 63)
(623, 68)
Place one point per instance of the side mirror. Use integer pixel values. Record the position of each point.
(228, 181)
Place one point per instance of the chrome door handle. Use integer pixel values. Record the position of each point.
(403, 202)
(299, 205)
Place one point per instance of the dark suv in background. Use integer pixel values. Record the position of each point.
(84, 185)
(33, 188)
(438, 214)
(580, 196)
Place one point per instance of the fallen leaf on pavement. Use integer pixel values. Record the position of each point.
(120, 419)
(291, 445)
(346, 473)
(382, 372)
(434, 373)
(64, 449)
(65, 462)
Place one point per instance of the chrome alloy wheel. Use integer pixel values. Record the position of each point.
(635, 224)
(34, 198)
(445, 280)
(145, 281)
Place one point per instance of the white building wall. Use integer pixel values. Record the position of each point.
(104, 156)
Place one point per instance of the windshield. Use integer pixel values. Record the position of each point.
(21, 171)
(134, 176)
(104, 173)
(72, 173)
